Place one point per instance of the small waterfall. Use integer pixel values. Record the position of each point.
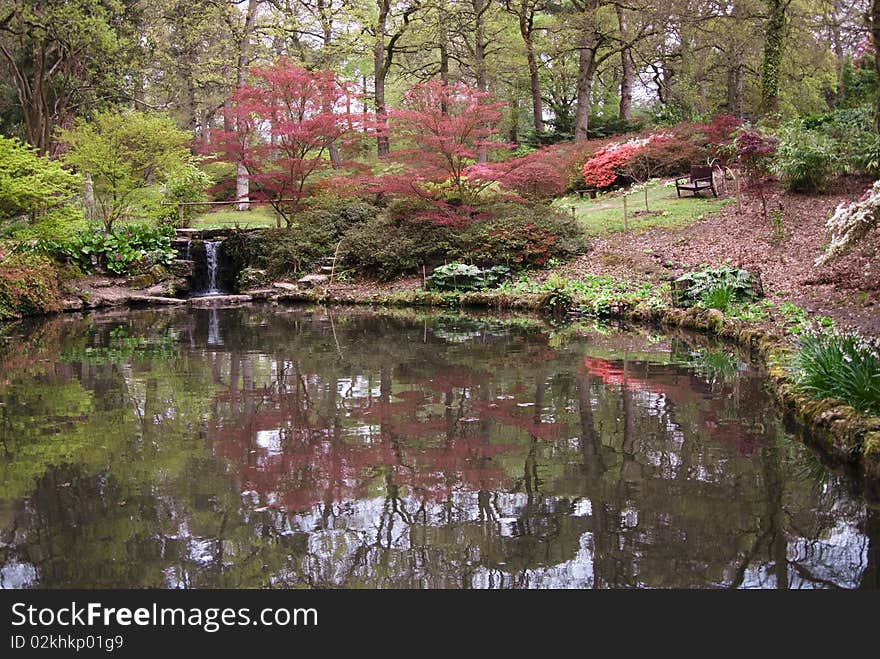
(187, 254)
(211, 260)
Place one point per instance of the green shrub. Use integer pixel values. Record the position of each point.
(385, 247)
(127, 249)
(715, 285)
(519, 235)
(852, 132)
(28, 285)
(188, 183)
(36, 194)
(806, 160)
(57, 225)
(463, 277)
(515, 235)
(839, 366)
(315, 233)
(32, 185)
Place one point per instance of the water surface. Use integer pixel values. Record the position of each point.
(283, 447)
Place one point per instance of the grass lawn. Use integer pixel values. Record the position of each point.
(226, 218)
(605, 213)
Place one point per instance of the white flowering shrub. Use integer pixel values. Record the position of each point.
(852, 222)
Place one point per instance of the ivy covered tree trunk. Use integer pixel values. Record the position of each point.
(773, 48)
(383, 145)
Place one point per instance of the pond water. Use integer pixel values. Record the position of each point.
(278, 447)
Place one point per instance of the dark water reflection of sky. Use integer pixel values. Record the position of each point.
(272, 446)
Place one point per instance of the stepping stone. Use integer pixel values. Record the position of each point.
(310, 281)
(218, 300)
(285, 286)
(261, 293)
(155, 299)
(72, 304)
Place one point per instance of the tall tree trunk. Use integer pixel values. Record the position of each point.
(480, 9)
(735, 84)
(513, 135)
(774, 38)
(242, 176)
(626, 67)
(326, 61)
(526, 27)
(380, 74)
(586, 71)
(837, 46)
(444, 73)
(383, 145)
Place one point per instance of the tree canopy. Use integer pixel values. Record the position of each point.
(567, 69)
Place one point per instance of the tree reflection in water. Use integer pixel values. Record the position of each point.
(265, 446)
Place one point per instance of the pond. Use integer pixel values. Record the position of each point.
(272, 446)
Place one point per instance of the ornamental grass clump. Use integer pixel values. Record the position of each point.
(839, 366)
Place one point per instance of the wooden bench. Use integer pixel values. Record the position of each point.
(590, 191)
(700, 179)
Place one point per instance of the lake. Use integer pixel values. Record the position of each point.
(272, 446)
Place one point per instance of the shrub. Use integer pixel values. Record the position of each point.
(806, 160)
(669, 155)
(345, 212)
(315, 233)
(506, 233)
(28, 285)
(714, 286)
(519, 235)
(463, 277)
(537, 175)
(839, 366)
(754, 154)
(124, 250)
(604, 168)
(186, 184)
(665, 154)
(851, 223)
(386, 247)
(36, 188)
(851, 130)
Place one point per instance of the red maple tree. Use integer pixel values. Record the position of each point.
(444, 128)
(285, 120)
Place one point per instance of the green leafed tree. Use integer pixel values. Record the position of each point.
(125, 153)
(58, 58)
(35, 186)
